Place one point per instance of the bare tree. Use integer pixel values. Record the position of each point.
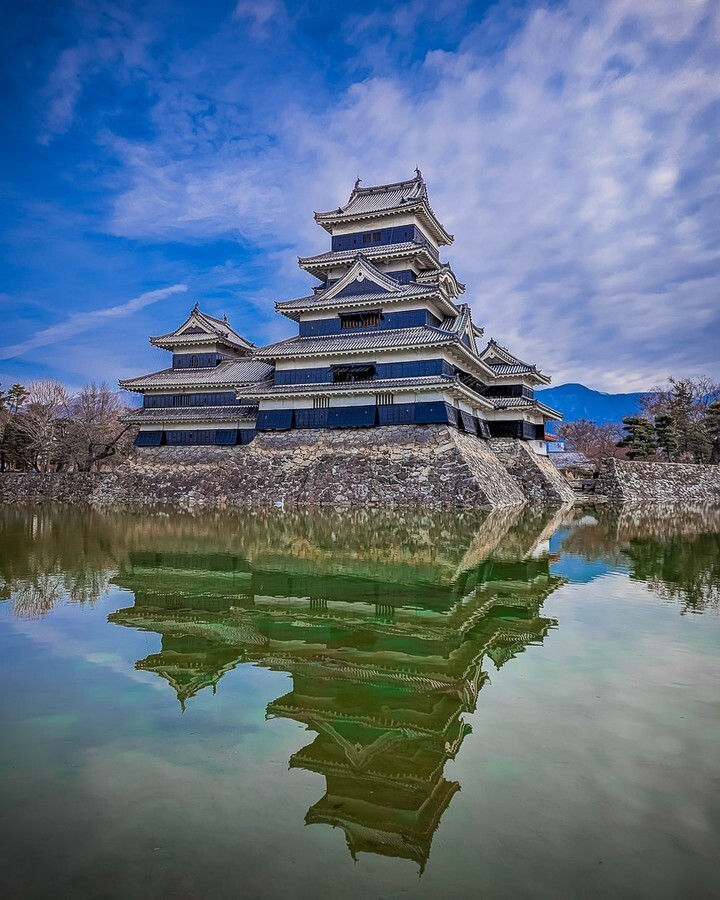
(42, 423)
(596, 442)
(94, 432)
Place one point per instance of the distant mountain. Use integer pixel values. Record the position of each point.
(575, 401)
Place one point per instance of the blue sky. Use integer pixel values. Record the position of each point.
(158, 153)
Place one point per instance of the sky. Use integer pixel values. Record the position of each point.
(164, 152)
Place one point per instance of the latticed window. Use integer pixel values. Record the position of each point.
(321, 402)
(357, 372)
(384, 399)
(360, 320)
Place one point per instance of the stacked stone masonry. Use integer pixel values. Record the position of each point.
(536, 476)
(624, 480)
(431, 466)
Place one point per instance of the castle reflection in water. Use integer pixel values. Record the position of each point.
(389, 628)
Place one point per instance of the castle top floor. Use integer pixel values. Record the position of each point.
(386, 213)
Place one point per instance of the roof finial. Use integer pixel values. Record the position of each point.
(357, 183)
(225, 318)
(196, 307)
(418, 173)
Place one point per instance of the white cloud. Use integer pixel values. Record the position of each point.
(258, 13)
(77, 323)
(576, 168)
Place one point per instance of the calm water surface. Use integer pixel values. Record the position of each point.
(360, 704)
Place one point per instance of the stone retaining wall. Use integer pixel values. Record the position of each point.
(29, 487)
(538, 478)
(624, 480)
(415, 465)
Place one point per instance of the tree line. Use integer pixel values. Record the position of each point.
(45, 428)
(678, 422)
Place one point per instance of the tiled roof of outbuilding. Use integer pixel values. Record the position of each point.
(505, 369)
(229, 373)
(524, 403)
(191, 414)
(204, 328)
(503, 363)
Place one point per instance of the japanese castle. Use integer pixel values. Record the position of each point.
(382, 340)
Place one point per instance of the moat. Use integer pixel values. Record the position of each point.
(314, 703)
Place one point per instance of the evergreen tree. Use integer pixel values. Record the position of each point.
(712, 427)
(687, 401)
(666, 433)
(16, 396)
(640, 438)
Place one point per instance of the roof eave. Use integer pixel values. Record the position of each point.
(167, 342)
(349, 303)
(328, 219)
(360, 350)
(306, 263)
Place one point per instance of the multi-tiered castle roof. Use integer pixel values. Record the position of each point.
(383, 339)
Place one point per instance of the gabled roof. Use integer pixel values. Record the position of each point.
(201, 328)
(466, 328)
(503, 363)
(440, 274)
(384, 200)
(362, 270)
(378, 286)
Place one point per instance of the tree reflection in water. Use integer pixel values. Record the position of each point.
(674, 549)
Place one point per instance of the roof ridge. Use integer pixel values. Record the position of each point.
(388, 186)
(510, 358)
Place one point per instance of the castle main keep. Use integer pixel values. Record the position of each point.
(383, 340)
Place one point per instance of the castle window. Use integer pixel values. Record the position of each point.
(384, 399)
(367, 238)
(358, 372)
(321, 402)
(377, 237)
(360, 320)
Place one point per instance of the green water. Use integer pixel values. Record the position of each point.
(360, 704)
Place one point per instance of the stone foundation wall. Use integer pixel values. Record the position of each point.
(29, 487)
(411, 465)
(632, 480)
(537, 477)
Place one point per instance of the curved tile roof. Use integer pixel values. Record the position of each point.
(408, 290)
(229, 373)
(205, 327)
(191, 414)
(523, 403)
(366, 340)
(340, 257)
(385, 198)
(377, 384)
